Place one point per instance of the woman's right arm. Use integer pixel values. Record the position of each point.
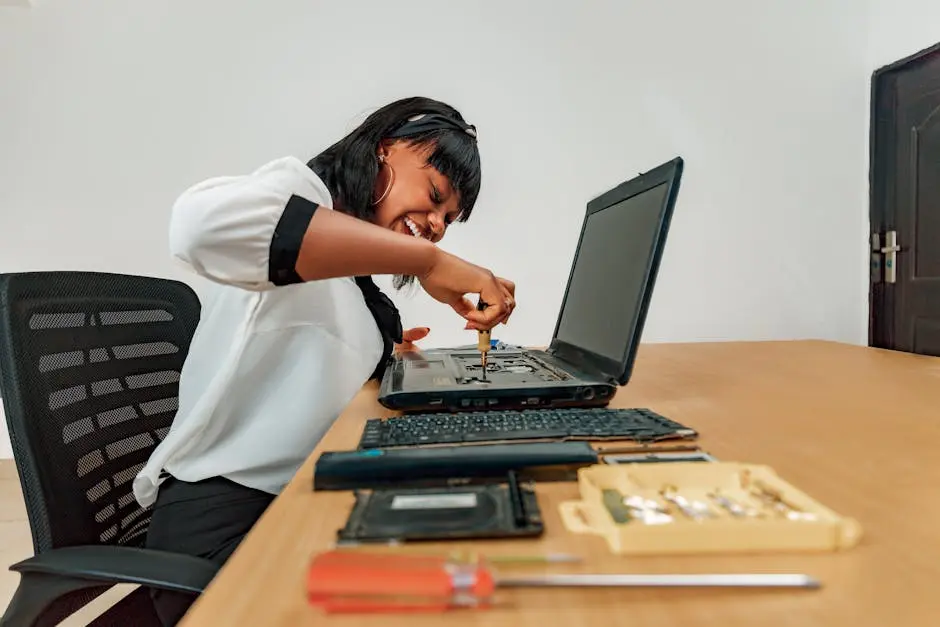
(274, 227)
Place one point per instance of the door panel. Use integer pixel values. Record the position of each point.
(926, 183)
(906, 199)
(926, 336)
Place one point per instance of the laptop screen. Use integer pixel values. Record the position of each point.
(609, 275)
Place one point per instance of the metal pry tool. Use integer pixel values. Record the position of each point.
(483, 339)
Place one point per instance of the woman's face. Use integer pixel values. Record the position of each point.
(420, 201)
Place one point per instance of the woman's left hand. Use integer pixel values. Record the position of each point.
(409, 337)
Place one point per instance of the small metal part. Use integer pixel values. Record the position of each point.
(733, 507)
(647, 511)
(775, 500)
(638, 502)
(875, 258)
(886, 268)
(696, 510)
(891, 250)
(746, 580)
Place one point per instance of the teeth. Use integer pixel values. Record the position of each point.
(412, 227)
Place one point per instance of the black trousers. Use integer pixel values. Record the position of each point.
(205, 519)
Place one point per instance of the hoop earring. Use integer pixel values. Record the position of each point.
(391, 181)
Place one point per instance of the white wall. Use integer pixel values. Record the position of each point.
(110, 108)
(6, 448)
(899, 28)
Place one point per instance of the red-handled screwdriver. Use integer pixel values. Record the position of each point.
(343, 581)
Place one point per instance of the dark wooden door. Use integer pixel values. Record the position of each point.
(905, 207)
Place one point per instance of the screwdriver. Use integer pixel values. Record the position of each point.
(345, 582)
(483, 339)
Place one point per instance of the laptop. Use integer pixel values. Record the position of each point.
(598, 329)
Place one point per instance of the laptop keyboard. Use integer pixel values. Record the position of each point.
(602, 423)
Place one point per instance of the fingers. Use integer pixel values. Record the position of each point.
(499, 306)
(404, 347)
(407, 350)
(413, 335)
(508, 285)
(486, 319)
(507, 305)
(464, 307)
(408, 337)
(509, 291)
(500, 297)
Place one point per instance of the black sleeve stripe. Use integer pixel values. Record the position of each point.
(288, 237)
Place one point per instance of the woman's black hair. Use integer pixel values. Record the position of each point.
(350, 166)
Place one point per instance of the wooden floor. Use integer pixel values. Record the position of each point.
(17, 544)
(15, 541)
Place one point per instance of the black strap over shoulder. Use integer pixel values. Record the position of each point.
(386, 317)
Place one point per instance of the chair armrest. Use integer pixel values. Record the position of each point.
(118, 564)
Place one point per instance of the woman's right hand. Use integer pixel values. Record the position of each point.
(450, 279)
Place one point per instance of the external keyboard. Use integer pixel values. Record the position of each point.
(641, 425)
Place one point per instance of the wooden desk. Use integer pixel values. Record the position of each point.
(856, 428)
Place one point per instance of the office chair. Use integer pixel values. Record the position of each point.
(89, 371)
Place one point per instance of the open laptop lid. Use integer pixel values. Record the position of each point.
(613, 273)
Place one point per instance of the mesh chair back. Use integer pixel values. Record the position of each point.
(89, 371)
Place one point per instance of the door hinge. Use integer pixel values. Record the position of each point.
(888, 252)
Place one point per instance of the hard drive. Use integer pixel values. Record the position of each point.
(479, 511)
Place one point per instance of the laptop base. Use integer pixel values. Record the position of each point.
(453, 380)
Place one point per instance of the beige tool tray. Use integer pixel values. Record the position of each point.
(702, 507)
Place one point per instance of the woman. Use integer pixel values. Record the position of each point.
(294, 325)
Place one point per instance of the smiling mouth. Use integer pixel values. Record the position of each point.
(413, 228)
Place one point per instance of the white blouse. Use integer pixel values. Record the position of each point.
(274, 360)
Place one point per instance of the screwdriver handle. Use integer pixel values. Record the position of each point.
(343, 582)
(483, 341)
(483, 337)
